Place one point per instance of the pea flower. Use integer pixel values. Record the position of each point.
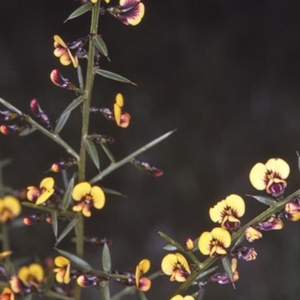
(10, 208)
(60, 81)
(63, 269)
(87, 196)
(66, 52)
(214, 243)
(189, 244)
(32, 275)
(252, 234)
(86, 281)
(179, 297)
(223, 278)
(270, 176)
(129, 12)
(122, 119)
(176, 266)
(142, 283)
(43, 193)
(246, 254)
(95, 1)
(228, 211)
(271, 223)
(7, 294)
(292, 209)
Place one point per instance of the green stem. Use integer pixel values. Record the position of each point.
(85, 127)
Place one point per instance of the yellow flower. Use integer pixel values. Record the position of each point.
(252, 234)
(176, 266)
(88, 196)
(4, 254)
(122, 119)
(214, 243)
(32, 275)
(189, 244)
(272, 223)
(129, 12)
(292, 209)
(7, 294)
(179, 297)
(43, 193)
(223, 278)
(63, 270)
(10, 208)
(63, 51)
(228, 211)
(95, 1)
(270, 176)
(142, 283)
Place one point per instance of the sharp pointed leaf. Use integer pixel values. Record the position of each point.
(67, 229)
(104, 290)
(264, 199)
(80, 11)
(27, 131)
(54, 223)
(170, 248)
(49, 280)
(66, 113)
(227, 267)
(113, 192)
(68, 195)
(142, 295)
(92, 151)
(113, 76)
(100, 45)
(77, 261)
(106, 260)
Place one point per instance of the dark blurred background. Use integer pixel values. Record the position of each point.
(225, 74)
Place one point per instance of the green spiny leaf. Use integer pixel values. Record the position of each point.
(92, 151)
(54, 223)
(264, 199)
(80, 11)
(113, 76)
(77, 261)
(104, 290)
(100, 45)
(68, 195)
(170, 248)
(227, 267)
(106, 260)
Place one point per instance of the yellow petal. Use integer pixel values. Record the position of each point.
(204, 242)
(278, 165)
(44, 196)
(47, 183)
(168, 262)
(24, 274)
(222, 235)
(257, 176)
(58, 40)
(80, 190)
(13, 204)
(236, 203)
(37, 272)
(120, 100)
(117, 113)
(61, 261)
(98, 197)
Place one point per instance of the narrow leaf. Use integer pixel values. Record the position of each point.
(27, 131)
(66, 113)
(106, 260)
(54, 223)
(104, 290)
(171, 241)
(10, 107)
(170, 248)
(92, 151)
(264, 199)
(227, 267)
(68, 195)
(113, 192)
(100, 45)
(49, 280)
(77, 261)
(80, 11)
(113, 76)
(67, 229)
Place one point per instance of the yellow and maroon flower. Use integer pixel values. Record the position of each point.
(7, 294)
(228, 211)
(214, 243)
(271, 223)
(246, 254)
(129, 12)
(60, 81)
(43, 193)
(33, 275)
(223, 278)
(176, 266)
(10, 208)
(95, 1)
(189, 244)
(85, 281)
(292, 209)
(12, 129)
(63, 269)
(252, 234)
(179, 297)
(66, 52)
(122, 119)
(142, 283)
(270, 176)
(87, 196)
